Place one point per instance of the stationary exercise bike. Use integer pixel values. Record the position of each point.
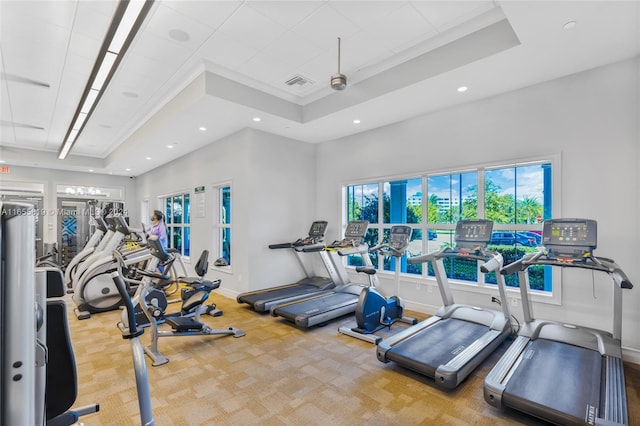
(182, 324)
(375, 312)
(170, 283)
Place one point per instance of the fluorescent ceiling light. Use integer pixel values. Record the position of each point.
(72, 138)
(103, 72)
(65, 148)
(122, 29)
(257, 119)
(88, 103)
(126, 24)
(462, 89)
(77, 125)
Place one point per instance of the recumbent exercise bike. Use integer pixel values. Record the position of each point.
(187, 321)
(375, 312)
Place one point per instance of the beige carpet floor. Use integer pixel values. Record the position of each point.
(277, 375)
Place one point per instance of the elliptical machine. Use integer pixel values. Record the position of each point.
(375, 312)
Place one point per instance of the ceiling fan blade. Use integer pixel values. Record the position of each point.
(22, 125)
(24, 80)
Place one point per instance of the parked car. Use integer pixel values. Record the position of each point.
(432, 234)
(510, 238)
(530, 234)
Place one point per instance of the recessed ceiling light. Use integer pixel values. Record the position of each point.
(356, 121)
(256, 119)
(91, 170)
(169, 146)
(179, 35)
(127, 169)
(569, 25)
(462, 89)
(147, 158)
(132, 95)
(202, 128)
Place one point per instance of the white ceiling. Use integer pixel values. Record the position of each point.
(219, 64)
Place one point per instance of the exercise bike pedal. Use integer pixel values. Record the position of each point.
(181, 324)
(212, 311)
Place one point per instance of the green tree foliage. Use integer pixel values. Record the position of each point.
(433, 209)
(528, 209)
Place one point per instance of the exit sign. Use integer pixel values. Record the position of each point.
(199, 189)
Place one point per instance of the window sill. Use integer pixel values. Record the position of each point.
(535, 296)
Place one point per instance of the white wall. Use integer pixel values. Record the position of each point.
(51, 178)
(590, 119)
(273, 182)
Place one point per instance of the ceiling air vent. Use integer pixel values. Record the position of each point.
(298, 80)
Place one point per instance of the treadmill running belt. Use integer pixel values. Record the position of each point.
(317, 305)
(436, 345)
(557, 382)
(277, 294)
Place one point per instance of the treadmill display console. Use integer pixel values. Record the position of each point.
(318, 229)
(571, 238)
(399, 237)
(356, 230)
(473, 231)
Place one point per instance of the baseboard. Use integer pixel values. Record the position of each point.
(631, 355)
(421, 307)
(227, 292)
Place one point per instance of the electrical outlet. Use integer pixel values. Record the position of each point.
(417, 286)
(514, 302)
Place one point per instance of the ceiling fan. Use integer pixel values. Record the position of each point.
(338, 80)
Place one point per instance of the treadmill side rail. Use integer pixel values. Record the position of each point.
(496, 380)
(615, 394)
(389, 342)
(455, 371)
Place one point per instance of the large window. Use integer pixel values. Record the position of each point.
(223, 224)
(517, 198)
(177, 209)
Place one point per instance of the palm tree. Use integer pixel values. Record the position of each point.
(528, 208)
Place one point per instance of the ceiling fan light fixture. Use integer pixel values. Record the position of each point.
(338, 80)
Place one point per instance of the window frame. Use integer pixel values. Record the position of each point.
(550, 297)
(162, 200)
(218, 224)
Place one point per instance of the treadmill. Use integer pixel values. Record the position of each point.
(451, 344)
(563, 373)
(265, 299)
(343, 299)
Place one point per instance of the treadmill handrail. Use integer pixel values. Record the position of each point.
(300, 242)
(484, 255)
(386, 249)
(314, 248)
(349, 250)
(343, 247)
(602, 264)
(426, 257)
